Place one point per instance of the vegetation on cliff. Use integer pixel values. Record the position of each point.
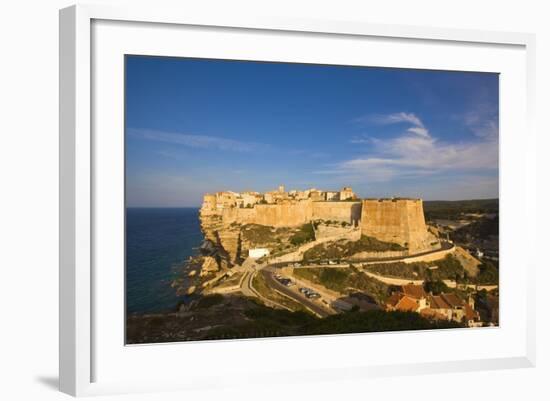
(478, 230)
(447, 268)
(457, 209)
(488, 273)
(435, 287)
(246, 318)
(305, 234)
(375, 321)
(344, 249)
(277, 239)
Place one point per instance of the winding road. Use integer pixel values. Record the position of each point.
(296, 296)
(250, 268)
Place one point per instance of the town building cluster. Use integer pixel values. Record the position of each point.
(413, 298)
(248, 199)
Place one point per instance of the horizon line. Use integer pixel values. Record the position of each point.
(423, 200)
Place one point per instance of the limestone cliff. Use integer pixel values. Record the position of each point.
(221, 239)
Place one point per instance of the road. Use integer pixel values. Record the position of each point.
(247, 288)
(295, 295)
(250, 268)
(246, 284)
(403, 281)
(297, 254)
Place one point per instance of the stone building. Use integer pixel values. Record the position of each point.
(316, 195)
(332, 196)
(346, 193)
(448, 306)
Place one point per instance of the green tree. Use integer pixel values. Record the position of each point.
(435, 287)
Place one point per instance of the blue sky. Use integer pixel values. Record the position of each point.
(195, 126)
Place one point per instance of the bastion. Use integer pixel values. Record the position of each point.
(399, 221)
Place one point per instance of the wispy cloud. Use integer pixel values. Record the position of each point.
(416, 125)
(196, 141)
(415, 153)
(482, 121)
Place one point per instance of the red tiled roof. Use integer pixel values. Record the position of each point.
(393, 299)
(437, 302)
(453, 300)
(413, 291)
(407, 304)
(470, 313)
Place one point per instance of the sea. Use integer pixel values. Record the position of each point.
(158, 243)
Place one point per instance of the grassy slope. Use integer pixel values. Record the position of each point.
(345, 281)
(344, 249)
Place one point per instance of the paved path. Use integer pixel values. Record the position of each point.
(404, 281)
(393, 280)
(298, 254)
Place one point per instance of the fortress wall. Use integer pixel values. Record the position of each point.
(350, 212)
(280, 215)
(285, 215)
(396, 220)
(385, 220)
(238, 215)
(418, 232)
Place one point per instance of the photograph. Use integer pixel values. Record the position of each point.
(275, 199)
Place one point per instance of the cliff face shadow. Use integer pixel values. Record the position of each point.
(356, 214)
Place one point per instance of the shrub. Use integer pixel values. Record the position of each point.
(448, 267)
(345, 280)
(344, 249)
(435, 287)
(209, 301)
(488, 273)
(305, 234)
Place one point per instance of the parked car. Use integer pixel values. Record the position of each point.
(285, 281)
(312, 294)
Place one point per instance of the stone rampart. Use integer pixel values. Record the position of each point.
(291, 214)
(284, 215)
(396, 220)
(349, 212)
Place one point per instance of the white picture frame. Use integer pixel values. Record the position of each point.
(78, 212)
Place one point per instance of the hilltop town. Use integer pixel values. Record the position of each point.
(323, 253)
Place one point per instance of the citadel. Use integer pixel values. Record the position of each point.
(329, 252)
(396, 220)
